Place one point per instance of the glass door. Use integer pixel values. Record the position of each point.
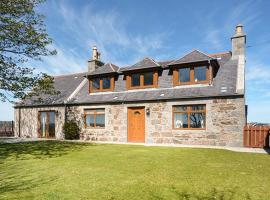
(43, 120)
(47, 124)
(51, 124)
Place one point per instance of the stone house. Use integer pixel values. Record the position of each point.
(198, 98)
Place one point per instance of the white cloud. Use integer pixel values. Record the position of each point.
(258, 73)
(108, 30)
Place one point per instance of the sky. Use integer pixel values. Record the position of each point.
(127, 31)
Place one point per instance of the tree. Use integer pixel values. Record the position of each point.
(23, 38)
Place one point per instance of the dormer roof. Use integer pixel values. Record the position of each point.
(192, 57)
(108, 68)
(146, 63)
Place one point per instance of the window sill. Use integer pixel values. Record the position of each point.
(189, 129)
(97, 128)
(141, 87)
(193, 85)
(104, 90)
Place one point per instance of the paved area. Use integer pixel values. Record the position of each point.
(236, 149)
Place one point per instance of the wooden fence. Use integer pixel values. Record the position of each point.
(6, 129)
(256, 136)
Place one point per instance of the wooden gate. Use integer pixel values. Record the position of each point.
(6, 129)
(256, 136)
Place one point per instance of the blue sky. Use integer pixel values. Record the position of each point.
(126, 31)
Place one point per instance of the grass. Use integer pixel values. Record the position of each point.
(61, 170)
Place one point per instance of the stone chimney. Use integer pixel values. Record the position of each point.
(238, 54)
(238, 42)
(94, 62)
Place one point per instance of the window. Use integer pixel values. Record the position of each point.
(106, 83)
(96, 84)
(142, 80)
(191, 75)
(102, 84)
(135, 80)
(184, 75)
(189, 117)
(200, 73)
(94, 118)
(148, 78)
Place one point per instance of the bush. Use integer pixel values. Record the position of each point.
(71, 130)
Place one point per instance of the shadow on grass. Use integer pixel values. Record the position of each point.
(214, 194)
(19, 182)
(38, 150)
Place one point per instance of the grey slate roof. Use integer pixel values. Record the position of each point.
(164, 64)
(224, 84)
(65, 84)
(193, 56)
(143, 64)
(105, 69)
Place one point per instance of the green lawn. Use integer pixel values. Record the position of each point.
(60, 170)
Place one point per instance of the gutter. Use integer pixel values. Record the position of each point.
(65, 103)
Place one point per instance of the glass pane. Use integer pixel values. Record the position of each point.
(197, 120)
(198, 107)
(89, 120)
(135, 80)
(96, 83)
(180, 120)
(106, 83)
(148, 78)
(51, 124)
(180, 108)
(184, 75)
(43, 119)
(200, 73)
(100, 120)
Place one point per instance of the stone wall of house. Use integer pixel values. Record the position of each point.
(29, 121)
(225, 119)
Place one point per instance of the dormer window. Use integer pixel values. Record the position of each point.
(102, 84)
(200, 74)
(142, 80)
(191, 75)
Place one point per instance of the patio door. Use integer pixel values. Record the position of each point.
(46, 121)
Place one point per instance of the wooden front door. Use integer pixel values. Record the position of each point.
(136, 124)
(46, 122)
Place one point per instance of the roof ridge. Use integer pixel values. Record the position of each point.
(154, 61)
(111, 66)
(203, 53)
(189, 52)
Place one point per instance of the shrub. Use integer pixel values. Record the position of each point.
(71, 130)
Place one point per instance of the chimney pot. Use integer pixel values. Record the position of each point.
(95, 53)
(239, 29)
